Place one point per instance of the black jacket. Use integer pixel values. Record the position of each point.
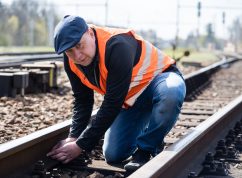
(122, 53)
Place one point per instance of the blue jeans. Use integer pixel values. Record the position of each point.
(148, 121)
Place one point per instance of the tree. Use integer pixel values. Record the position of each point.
(210, 33)
(236, 33)
(209, 39)
(191, 40)
(26, 23)
(27, 18)
(4, 14)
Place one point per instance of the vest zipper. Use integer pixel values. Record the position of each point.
(95, 77)
(81, 71)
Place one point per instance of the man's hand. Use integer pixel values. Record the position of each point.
(65, 151)
(63, 142)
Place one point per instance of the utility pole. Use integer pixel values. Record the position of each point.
(51, 27)
(177, 22)
(223, 22)
(199, 6)
(106, 13)
(175, 45)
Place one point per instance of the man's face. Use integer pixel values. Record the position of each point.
(84, 51)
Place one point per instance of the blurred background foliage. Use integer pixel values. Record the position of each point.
(31, 23)
(26, 23)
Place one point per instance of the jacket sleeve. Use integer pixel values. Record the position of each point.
(120, 54)
(83, 102)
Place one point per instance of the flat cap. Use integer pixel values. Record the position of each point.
(68, 33)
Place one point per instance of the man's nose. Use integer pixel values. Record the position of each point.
(77, 54)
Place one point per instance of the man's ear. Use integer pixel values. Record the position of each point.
(91, 32)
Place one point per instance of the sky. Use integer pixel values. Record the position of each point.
(159, 15)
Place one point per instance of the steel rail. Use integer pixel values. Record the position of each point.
(25, 53)
(29, 145)
(23, 149)
(14, 61)
(174, 161)
(16, 156)
(195, 80)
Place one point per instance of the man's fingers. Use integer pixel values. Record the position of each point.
(62, 158)
(59, 144)
(67, 160)
(59, 155)
(56, 146)
(50, 153)
(56, 153)
(65, 153)
(54, 150)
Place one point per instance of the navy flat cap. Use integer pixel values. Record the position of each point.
(68, 33)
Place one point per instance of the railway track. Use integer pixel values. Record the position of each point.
(16, 59)
(24, 53)
(31, 72)
(186, 157)
(208, 91)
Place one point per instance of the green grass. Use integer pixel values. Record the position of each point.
(16, 49)
(204, 57)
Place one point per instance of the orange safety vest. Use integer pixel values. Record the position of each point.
(151, 63)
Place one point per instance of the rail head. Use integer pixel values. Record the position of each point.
(170, 162)
(13, 61)
(11, 147)
(17, 157)
(210, 68)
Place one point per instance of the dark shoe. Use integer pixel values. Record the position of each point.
(139, 158)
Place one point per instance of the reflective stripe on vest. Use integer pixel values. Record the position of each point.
(154, 63)
(151, 63)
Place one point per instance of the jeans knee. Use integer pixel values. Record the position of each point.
(111, 158)
(176, 96)
(114, 154)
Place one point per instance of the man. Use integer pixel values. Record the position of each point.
(143, 92)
